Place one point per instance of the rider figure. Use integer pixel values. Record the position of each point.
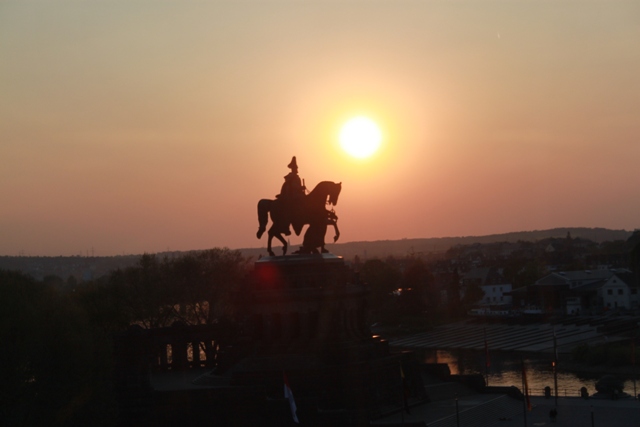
(291, 194)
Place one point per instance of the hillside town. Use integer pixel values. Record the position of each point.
(562, 277)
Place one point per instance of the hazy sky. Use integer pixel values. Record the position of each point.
(143, 126)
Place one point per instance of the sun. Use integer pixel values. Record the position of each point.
(360, 137)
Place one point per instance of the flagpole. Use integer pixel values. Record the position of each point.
(487, 362)
(404, 393)
(633, 358)
(525, 405)
(555, 366)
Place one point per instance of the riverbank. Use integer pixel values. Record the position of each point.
(526, 338)
(482, 410)
(582, 368)
(577, 412)
(464, 348)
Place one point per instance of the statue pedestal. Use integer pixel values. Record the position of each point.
(306, 315)
(304, 301)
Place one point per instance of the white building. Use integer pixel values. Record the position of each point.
(495, 294)
(620, 291)
(492, 283)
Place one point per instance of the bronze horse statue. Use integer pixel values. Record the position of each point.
(310, 209)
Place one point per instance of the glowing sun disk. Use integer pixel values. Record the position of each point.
(360, 137)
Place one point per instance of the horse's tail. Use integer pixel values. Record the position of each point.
(264, 206)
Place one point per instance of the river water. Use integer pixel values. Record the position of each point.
(506, 370)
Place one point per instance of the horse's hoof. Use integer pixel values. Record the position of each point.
(259, 233)
(271, 253)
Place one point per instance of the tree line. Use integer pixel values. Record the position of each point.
(57, 336)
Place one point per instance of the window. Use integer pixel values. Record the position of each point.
(609, 291)
(620, 292)
(634, 291)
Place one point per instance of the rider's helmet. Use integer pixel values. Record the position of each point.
(293, 164)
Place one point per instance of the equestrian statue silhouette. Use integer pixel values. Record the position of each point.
(292, 207)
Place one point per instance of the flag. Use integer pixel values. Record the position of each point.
(405, 391)
(288, 394)
(525, 386)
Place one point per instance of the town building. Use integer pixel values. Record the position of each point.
(620, 291)
(497, 292)
(584, 291)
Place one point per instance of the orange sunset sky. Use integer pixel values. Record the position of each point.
(144, 126)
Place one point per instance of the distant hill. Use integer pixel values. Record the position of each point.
(84, 268)
(385, 248)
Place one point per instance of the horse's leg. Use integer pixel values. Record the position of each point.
(284, 243)
(269, 243)
(337, 231)
(264, 206)
(313, 239)
(323, 233)
(297, 227)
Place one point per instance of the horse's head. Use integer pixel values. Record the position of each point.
(323, 193)
(334, 192)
